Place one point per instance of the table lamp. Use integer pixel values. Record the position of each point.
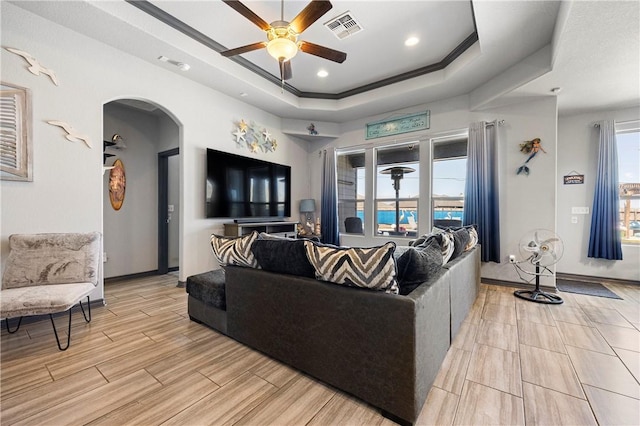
(308, 206)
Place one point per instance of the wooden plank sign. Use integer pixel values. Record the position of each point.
(398, 125)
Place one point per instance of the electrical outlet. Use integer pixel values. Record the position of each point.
(512, 258)
(579, 210)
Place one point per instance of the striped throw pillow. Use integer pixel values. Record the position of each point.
(234, 250)
(447, 243)
(373, 268)
(473, 237)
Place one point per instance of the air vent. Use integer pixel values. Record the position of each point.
(344, 25)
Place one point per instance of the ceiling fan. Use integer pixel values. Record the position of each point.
(283, 43)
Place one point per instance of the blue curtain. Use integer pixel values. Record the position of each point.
(481, 201)
(329, 216)
(604, 239)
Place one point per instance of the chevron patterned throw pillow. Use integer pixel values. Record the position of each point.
(234, 250)
(473, 237)
(373, 268)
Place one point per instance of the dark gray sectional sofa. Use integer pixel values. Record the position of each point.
(385, 349)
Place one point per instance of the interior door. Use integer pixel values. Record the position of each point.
(168, 210)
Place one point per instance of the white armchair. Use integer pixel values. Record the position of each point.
(47, 274)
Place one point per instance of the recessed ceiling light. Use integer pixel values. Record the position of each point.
(556, 90)
(322, 73)
(411, 41)
(243, 94)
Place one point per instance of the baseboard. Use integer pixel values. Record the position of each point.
(145, 274)
(519, 285)
(591, 279)
(111, 280)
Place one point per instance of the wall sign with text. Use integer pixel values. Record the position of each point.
(573, 179)
(398, 125)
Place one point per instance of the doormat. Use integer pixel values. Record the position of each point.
(588, 288)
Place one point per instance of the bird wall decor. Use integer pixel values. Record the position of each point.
(35, 67)
(72, 134)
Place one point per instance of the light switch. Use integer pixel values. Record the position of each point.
(574, 219)
(170, 209)
(579, 210)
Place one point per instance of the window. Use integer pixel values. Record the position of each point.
(351, 191)
(448, 176)
(397, 190)
(628, 144)
(16, 162)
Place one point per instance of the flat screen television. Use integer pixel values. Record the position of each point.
(243, 187)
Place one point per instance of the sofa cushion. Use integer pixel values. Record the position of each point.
(417, 264)
(373, 267)
(283, 255)
(234, 250)
(208, 287)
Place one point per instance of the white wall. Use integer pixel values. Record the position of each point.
(67, 192)
(526, 202)
(578, 151)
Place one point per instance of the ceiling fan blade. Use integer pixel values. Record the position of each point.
(285, 70)
(323, 52)
(247, 13)
(310, 14)
(244, 49)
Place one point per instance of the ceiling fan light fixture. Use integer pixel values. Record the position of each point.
(282, 48)
(411, 41)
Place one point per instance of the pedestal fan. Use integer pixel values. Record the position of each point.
(541, 248)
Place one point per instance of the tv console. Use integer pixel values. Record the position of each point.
(258, 219)
(282, 229)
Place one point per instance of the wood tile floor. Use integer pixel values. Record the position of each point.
(141, 361)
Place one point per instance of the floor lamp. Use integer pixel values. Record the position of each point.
(397, 173)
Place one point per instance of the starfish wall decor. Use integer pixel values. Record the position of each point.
(253, 137)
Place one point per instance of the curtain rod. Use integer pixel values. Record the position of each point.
(618, 122)
(494, 122)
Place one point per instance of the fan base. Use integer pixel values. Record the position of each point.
(538, 296)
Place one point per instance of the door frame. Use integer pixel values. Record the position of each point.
(163, 213)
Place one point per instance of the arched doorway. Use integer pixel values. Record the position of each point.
(142, 236)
